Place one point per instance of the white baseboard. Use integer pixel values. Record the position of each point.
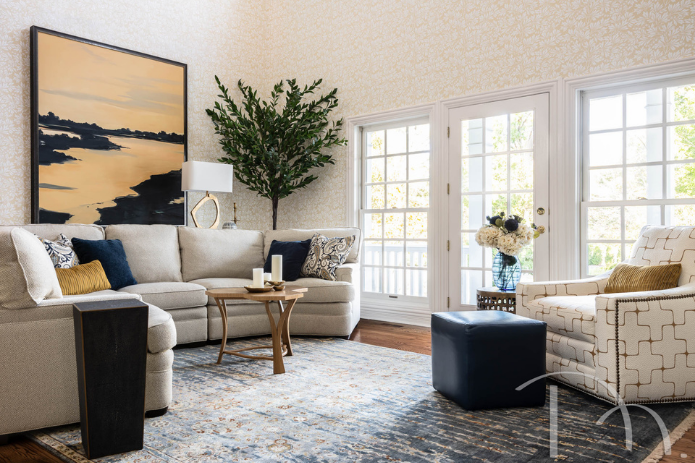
(406, 317)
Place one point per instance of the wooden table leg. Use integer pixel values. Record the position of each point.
(275, 331)
(222, 305)
(285, 321)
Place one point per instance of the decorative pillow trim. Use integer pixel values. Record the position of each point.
(325, 256)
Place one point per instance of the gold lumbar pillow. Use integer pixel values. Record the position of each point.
(628, 278)
(82, 279)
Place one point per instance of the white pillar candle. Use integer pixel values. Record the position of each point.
(266, 277)
(258, 278)
(277, 268)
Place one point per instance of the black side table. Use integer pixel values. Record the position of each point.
(491, 298)
(111, 351)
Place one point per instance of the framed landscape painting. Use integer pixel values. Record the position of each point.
(108, 133)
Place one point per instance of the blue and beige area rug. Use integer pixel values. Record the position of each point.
(345, 401)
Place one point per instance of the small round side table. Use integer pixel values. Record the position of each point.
(491, 298)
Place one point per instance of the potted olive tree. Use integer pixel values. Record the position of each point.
(274, 145)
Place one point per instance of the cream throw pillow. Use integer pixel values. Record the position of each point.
(27, 276)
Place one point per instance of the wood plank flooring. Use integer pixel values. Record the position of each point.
(396, 336)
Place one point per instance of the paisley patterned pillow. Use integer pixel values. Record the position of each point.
(326, 255)
(61, 252)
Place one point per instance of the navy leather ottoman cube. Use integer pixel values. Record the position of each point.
(479, 358)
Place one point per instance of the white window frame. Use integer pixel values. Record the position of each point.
(570, 166)
(404, 309)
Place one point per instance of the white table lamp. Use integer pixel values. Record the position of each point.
(207, 177)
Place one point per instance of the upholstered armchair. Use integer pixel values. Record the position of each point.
(640, 345)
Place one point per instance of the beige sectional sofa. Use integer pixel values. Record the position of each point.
(173, 267)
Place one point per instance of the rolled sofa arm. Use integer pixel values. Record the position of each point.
(346, 272)
(526, 292)
(643, 342)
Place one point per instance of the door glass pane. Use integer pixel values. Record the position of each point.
(471, 251)
(496, 134)
(521, 131)
(472, 137)
(521, 170)
(606, 113)
(471, 174)
(496, 173)
(393, 280)
(522, 204)
(471, 281)
(681, 180)
(417, 225)
(472, 214)
(495, 203)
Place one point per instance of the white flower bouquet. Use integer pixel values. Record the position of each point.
(508, 235)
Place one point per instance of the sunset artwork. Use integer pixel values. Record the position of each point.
(109, 134)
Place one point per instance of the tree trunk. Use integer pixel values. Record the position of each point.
(275, 200)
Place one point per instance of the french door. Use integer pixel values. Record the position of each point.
(498, 162)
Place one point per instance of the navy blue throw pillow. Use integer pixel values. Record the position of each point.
(112, 257)
(293, 256)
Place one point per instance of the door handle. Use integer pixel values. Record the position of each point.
(540, 211)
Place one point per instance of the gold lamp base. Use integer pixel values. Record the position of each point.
(205, 199)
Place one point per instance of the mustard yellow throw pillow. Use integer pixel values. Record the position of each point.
(82, 279)
(628, 278)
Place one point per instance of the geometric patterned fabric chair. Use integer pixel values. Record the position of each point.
(624, 347)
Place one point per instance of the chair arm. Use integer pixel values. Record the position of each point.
(643, 340)
(347, 272)
(586, 287)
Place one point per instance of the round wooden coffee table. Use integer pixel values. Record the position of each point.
(280, 332)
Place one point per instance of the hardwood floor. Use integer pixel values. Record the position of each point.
(396, 336)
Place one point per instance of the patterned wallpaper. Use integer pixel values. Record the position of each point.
(380, 54)
(211, 37)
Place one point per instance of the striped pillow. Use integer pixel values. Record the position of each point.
(628, 278)
(82, 279)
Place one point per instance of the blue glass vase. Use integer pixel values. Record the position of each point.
(506, 272)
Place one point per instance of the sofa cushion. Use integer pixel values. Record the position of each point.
(161, 331)
(71, 230)
(174, 295)
(319, 290)
(27, 276)
(207, 253)
(572, 316)
(112, 257)
(152, 251)
(301, 235)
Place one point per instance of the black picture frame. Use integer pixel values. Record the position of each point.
(34, 107)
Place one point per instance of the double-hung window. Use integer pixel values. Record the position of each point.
(395, 201)
(638, 151)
